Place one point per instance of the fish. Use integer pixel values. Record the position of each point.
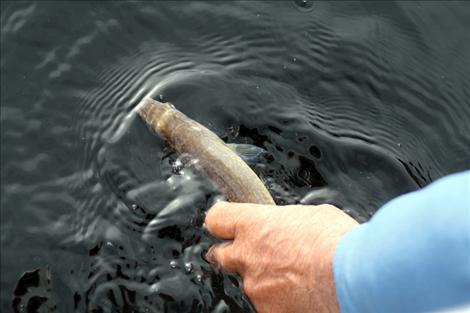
(237, 181)
(251, 154)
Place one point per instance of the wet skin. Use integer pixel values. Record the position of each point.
(283, 253)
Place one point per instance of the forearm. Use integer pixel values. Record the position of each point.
(413, 256)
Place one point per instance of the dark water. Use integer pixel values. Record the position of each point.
(354, 102)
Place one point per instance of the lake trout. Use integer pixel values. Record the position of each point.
(217, 160)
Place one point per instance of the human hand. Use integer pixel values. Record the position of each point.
(283, 253)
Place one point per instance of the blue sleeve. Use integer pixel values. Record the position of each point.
(412, 256)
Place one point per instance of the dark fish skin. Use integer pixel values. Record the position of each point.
(220, 163)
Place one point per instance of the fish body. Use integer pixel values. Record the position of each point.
(220, 163)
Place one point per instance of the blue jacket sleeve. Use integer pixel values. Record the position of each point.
(412, 256)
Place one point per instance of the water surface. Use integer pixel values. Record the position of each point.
(353, 102)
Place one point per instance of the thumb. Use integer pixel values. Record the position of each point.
(224, 256)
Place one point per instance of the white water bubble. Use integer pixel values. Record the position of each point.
(304, 5)
(188, 266)
(173, 264)
(154, 288)
(177, 166)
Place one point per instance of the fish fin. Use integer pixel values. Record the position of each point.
(251, 154)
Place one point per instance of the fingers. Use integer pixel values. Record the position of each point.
(224, 256)
(223, 218)
(228, 221)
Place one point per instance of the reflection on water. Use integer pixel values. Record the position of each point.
(350, 103)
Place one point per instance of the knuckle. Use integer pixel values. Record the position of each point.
(229, 262)
(328, 206)
(228, 257)
(236, 261)
(219, 256)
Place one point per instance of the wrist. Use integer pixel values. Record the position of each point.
(344, 252)
(326, 275)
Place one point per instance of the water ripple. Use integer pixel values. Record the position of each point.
(354, 103)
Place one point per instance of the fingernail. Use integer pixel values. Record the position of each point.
(210, 258)
(209, 255)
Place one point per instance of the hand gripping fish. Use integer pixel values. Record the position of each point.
(217, 160)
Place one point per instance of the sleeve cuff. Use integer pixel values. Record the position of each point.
(343, 268)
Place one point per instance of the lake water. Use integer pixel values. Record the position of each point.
(354, 103)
